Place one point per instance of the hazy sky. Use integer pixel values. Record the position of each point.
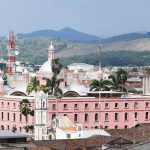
(99, 17)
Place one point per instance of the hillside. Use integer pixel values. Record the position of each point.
(34, 48)
(64, 34)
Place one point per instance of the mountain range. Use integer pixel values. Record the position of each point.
(70, 44)
(65, 34)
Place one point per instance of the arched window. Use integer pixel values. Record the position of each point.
(146, 115)
(8, 105)
(135, 115)
(20, 117)
(106, 127)
(106, 116)
(8, 127)
(20, 129)
(2, 127)
(116, 116)
(7, 116)
(96, 127)
(96, 117)
(53, 116)
(75, 117)
(116, 127)
(86, 118)
(14, 116)
(126, 116)
(2, 115)
(14, 105)
(2, 104)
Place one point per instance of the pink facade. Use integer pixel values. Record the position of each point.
(111, 113)
(10, 115)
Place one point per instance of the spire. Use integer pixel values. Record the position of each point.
(51, 53)
(51, 47)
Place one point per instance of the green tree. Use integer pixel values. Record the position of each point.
(33, 85)
(102, 85)
(52, 85)
(56, 66)
(117, 82)
(123, 75)
(5, 79)
(25, 108)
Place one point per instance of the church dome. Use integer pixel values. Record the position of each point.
(99, 71)
(80, 89)
(46, 67)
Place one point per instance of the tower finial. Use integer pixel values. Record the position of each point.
(51, 53)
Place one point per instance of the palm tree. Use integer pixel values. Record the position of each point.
(52, 86)
(102, 85)
(122, 75)
(33, 85)
(25, 108)
(56, 66)
(117, 82)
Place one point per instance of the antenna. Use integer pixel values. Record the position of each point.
(12, 53)
(99, 53)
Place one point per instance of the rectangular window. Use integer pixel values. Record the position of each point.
(20, 117)
(2, 115)
(116, 127)
(96, 105)
(126, 116)
(75, 117)
(126, 105)
(76, 106)
(86, 106)
(136, 116)
(106, 105)
(116, 105)
(147, 104)
(8, 116)
(8, 105)
(106, 116)
(14, 105)
(116, 117)
(146, 115)
(2, 104)
(53, 106)
(65, 106)
(68, 136)
(86, 118)
(14, 116)
(126, 127)
(96, 117)
(136, 105)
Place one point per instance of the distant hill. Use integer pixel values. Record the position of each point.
(127, 37)
(74, 46)
(65, 34)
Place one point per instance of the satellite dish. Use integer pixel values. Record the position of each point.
(17, 63)
(16, 53)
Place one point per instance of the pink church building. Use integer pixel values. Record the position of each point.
(91, 109)
(91, 112)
